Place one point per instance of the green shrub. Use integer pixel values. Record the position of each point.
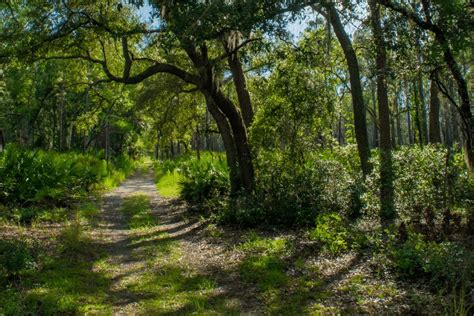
(244, 210)
(293, 194)
(45, 177)
(75, 242)
(169, 184)
(38, 178)
(427, 182)
(331, 231)
(444, 263)
(15, 257)
(201, 182)
(336, 235)
(204, 181)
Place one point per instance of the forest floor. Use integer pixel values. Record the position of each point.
(141, 254)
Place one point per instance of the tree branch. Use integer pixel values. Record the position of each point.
(126, 55)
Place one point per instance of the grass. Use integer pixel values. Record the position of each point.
(62, 282)
(168, 184)
(166, 285)
(88, 211)
(138, 209)
(265, 266)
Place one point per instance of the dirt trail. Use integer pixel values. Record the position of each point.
(114, 232)
(132, 256)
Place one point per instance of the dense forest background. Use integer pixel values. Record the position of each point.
(356, 133)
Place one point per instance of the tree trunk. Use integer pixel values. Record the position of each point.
(62, 124)
(240, 84)
(227, 139)
(172, 150)
(448, 138)
(393, 115)
(375, 134)
(2, 140)
(210, 87)
(107, 140)
(434, 126)
(387, 210)
(417, 116)
(360, 124)
(465, 108)
(198, 142)
(422, 108)
(239, 133)
(409, 128)
(397, 121)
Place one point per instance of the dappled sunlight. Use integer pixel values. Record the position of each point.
(143, 255)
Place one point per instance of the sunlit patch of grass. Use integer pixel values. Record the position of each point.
(265, 271)
(168, 184)
(256, 244)
(213, 231)
(173, 289)
(319, 309)
(74, 241)
(53, 215)
(156, 248)
(169, 287)
(64, 282)
(362, 291)
(105, 266)
(114, 179)
(138, 209)
(67, 287)
(265, 266)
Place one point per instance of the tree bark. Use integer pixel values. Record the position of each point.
(229, 144)
(422, 108)
(409, 127)
(239, 133)
(397, 120)
(2, 140)
(393, 116)
(387, 210)
(240, 83)
(434, 125)
(375, 134)
(360, 123)
(62, 120)
(417, 115)
(210, 87)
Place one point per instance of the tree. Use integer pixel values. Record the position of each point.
(386, 172)
(107, 25)
(452, 26)
(358, 106)
(434, 128)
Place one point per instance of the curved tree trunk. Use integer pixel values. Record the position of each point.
(210, 87)
(358, 106)
(227, 139)
(239, 132)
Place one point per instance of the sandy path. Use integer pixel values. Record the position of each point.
(128, 253)
(113, 231)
